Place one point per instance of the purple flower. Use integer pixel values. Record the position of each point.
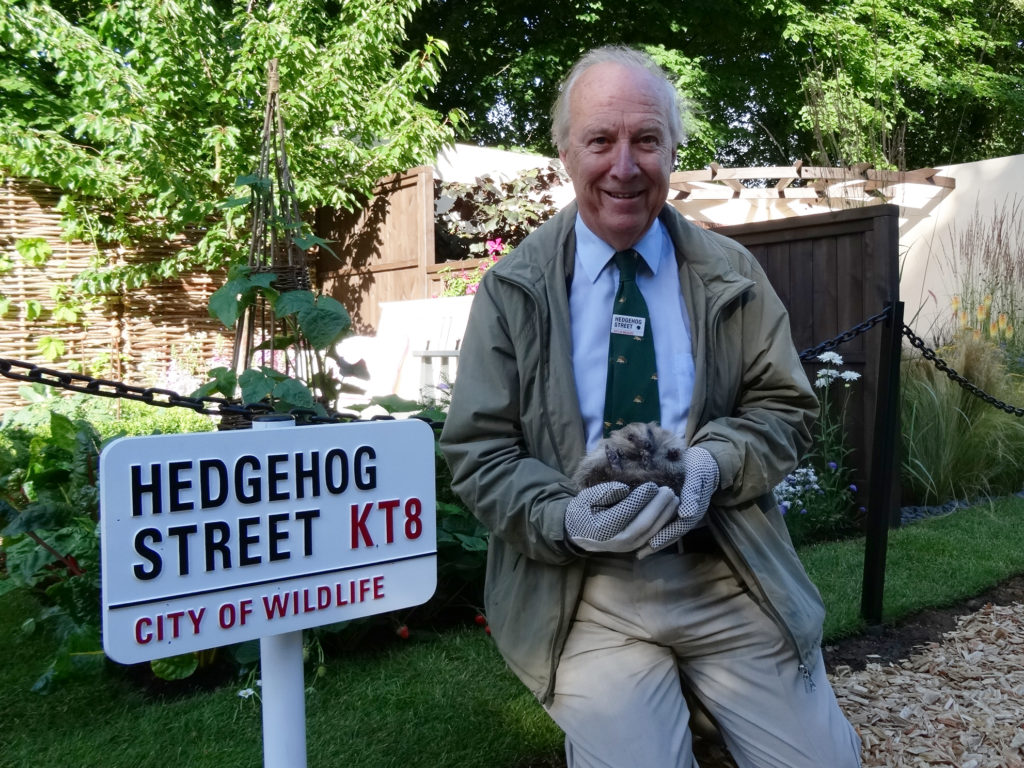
(833, 466)
(853, 488)
(784, 507)
(803, 511)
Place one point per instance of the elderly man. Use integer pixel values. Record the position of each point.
(614, 604)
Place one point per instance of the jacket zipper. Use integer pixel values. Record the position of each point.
(563, 627)
(805, 673)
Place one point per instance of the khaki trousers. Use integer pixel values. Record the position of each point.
(646, 628)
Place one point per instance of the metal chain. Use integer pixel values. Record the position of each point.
(210, 405)
(76, 382)
(974, 389)
(220, 406)
(826, 346)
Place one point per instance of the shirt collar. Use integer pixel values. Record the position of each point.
(593, 253)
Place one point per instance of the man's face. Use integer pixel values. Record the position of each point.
(618, 155)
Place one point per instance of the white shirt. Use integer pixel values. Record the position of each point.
(594, 283)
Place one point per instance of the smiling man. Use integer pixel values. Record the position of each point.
(618, 605)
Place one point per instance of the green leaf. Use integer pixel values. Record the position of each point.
(63, 313)
(233, 202)
(32, 309)
(395, 404)
(50, 348)
(254, 181)
(471, 543)
(63, 432)
(34, 250)
(293, 394)
(224, 381)
(291, 302)
(175, 667)
(35, 516)
(276, 343)
(325, 323)
(225, 303)
(308, 241)
(255, 385)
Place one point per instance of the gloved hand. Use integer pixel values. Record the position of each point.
(608, 517)
(699, 483)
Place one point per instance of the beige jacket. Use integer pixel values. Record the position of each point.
(514, 434)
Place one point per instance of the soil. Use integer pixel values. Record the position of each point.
(886, 642)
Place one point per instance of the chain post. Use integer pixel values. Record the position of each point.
(883, 466)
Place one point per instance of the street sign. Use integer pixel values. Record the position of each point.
(214, 538)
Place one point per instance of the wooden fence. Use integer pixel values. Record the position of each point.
(385, 251)
(833, 271)
(137, 337)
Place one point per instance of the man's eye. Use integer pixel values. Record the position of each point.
(599, 140)
(649, 140)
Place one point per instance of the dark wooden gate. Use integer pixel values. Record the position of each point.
(833, 271)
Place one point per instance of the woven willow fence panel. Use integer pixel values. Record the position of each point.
(161, 335)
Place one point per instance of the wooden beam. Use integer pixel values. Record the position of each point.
(704, 193)
(764, 193)
(768, 172)
(679, 177)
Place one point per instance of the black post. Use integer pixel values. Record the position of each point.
(883, 465)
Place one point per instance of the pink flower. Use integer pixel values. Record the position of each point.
(494, 247)
(471, 289)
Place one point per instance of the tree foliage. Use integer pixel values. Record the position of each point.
(144, 112)
(894, 82)
(911, 84)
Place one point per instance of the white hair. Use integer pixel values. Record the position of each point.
(626, 57)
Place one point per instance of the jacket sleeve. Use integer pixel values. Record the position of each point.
(518, 497)
(763, 429)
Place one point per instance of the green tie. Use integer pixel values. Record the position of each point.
(631, 393)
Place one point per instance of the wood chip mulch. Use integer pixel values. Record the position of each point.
(957, 703)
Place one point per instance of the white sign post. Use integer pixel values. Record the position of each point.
(215, 538)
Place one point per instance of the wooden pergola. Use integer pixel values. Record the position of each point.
(798, 182)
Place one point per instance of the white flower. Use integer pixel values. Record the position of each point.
(825, 377)
(849, 375)
(246, 693)
(831, 358)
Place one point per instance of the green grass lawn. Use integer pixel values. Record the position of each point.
(436, 700)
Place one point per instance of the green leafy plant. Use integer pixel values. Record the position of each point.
(49, 512)
(309, 327)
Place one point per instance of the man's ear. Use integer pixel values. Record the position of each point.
(561, 156)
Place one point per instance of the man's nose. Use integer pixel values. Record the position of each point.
(624, 165)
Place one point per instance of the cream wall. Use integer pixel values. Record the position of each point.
(927, 282)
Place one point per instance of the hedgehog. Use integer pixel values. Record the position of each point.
(635, 454)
